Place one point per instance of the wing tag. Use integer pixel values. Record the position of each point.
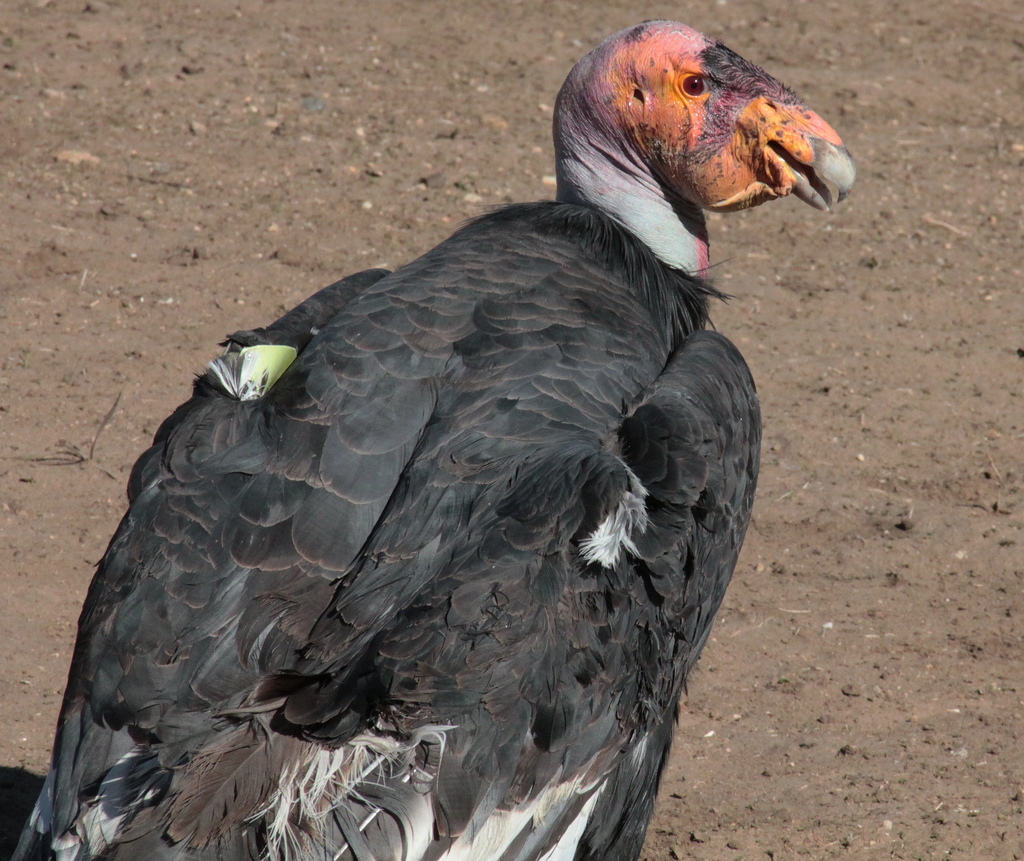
(249, 373)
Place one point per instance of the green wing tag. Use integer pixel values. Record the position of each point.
(249, 373)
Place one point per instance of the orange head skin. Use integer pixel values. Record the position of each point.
(712, 128)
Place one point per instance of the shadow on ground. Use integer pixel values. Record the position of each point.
(18, 792)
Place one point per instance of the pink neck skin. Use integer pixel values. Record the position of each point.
(596, 166)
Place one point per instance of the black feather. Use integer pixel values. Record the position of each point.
(386, 543)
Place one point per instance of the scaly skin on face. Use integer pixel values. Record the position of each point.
(717, 130)
(767, 156)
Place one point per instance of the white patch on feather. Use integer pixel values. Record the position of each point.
(639, 752)
(64, 847)
(615, 533)
(493, 837)
(103, 815)
(565, 849)
(322, 779)
(42, 813)
(502, 827)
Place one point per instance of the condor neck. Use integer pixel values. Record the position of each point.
(624, 189)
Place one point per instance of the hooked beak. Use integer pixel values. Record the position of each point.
(779, 150)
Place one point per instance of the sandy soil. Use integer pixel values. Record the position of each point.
(171, 171)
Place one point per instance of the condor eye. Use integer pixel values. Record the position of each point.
(695, 85)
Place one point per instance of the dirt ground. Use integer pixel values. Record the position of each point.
(172, 171)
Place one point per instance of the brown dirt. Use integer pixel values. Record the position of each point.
(174, 171)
